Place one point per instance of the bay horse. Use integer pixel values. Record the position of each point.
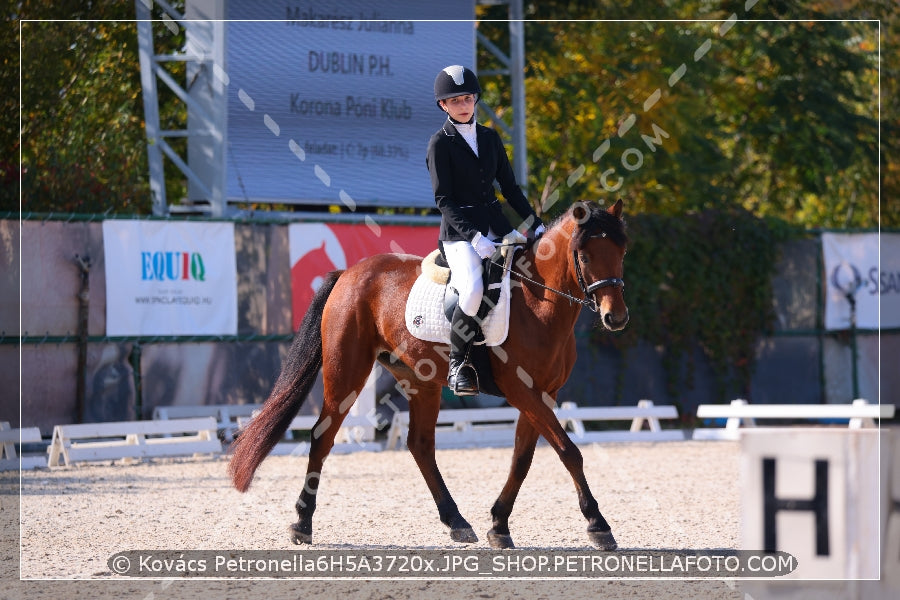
(357, 317)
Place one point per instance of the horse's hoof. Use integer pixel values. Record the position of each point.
(500, 541)
(298, 536)
(466, 535)
(604, 540)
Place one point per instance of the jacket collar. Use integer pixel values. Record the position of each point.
(451, 132)
(449, 129)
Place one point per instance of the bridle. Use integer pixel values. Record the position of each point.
(587, 289)
(589, 299)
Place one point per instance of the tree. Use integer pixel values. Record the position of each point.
(779, 117)
(886, 11)
(83, 145)
(803, 121)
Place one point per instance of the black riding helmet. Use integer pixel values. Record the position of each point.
(455, 80)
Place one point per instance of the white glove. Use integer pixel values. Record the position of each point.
(483, 246)
(539, 231)
(514, 237)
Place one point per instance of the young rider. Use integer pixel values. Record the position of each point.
(464, 158)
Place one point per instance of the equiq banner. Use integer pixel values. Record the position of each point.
(317, 248)
(332, 102)
(856, 263)
(170, 278)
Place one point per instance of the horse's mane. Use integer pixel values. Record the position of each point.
(598, 221)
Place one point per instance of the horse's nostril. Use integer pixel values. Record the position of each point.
(610, 321)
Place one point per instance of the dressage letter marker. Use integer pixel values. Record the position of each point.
(814, 494)
(890, 508)
(818, 504)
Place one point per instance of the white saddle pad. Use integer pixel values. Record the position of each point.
(425, 313)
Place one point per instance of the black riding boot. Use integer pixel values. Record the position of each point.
(463, 380)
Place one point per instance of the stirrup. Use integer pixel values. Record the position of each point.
(469, 385)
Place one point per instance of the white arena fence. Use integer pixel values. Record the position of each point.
(202, 429)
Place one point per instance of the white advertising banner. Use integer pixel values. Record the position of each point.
(170, 278)
(868, 266)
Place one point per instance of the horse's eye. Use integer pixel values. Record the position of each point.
(584, 258)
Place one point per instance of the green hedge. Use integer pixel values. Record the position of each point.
(701, 280)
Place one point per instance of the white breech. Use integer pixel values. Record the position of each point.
(465, 275)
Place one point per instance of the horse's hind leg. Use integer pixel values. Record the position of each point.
(341, 389)
(323, 435)
(523, 453)
(423, 412)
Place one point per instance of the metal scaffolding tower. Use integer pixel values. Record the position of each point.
(514, 63)
(203, 96)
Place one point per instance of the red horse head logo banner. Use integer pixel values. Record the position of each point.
(317, 248)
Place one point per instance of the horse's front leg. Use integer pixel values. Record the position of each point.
(598, 529)
(523, 453)
(542, 418)
(423, 413)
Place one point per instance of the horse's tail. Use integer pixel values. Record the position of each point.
(298, 374)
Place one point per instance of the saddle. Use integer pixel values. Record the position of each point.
(431, 300)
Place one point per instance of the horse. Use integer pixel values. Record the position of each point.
(355, 318)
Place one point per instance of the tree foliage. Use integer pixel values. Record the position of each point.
(83, 145)
(778, 117)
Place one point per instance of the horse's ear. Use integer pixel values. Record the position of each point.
(580, 212)
(616, 209)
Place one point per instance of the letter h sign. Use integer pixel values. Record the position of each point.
(813, 493)
(818, 505)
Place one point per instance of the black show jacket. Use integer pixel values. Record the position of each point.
(463, 184)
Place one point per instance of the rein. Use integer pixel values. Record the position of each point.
(589, 301)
